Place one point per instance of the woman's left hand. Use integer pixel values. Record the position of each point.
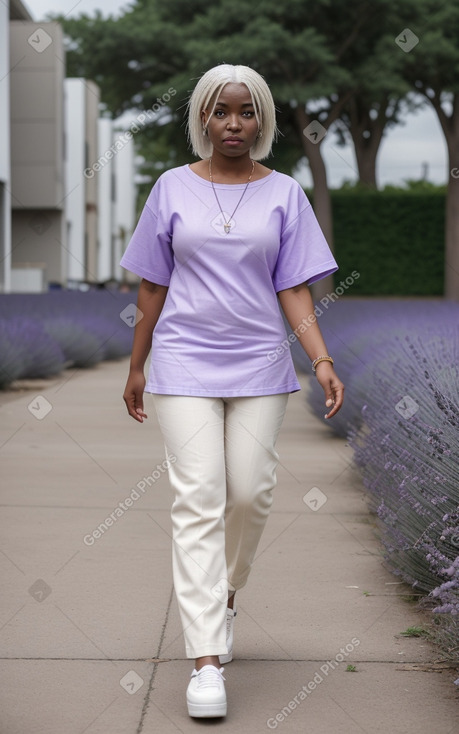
(332, 387)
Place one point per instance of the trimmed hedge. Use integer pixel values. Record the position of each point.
(395, 239)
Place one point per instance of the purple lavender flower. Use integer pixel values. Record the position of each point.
(399, 362)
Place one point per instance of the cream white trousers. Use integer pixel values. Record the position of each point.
(222, 470)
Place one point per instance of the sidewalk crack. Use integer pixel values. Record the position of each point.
(146, 702)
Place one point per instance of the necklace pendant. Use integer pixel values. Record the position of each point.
(227, 224)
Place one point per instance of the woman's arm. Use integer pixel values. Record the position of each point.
(150, 302)
(298, 307)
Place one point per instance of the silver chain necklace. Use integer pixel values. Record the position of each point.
(227, 224)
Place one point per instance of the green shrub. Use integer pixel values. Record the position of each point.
(394, 238)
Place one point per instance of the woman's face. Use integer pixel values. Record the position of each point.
(232, 127)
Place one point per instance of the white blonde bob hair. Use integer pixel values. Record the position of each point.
(209, 88)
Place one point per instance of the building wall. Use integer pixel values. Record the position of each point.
(91, 202)
(61, 226)
(105, 185)
(81, 111)
(115, 173)
(38, 233)
(18, 11)
(124, 219)
(5, 165)
(74, 180)
(37, 147)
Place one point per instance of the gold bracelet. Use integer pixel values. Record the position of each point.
(321, 359)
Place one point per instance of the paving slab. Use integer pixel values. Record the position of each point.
(313, 588)
(70, 696)
(261, 698)
(90, 603)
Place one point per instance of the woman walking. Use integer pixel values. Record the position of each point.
(219, 244)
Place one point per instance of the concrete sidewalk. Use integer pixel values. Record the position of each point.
(90, 637)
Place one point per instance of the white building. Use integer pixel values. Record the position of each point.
(114, 172)
(105, 192)
(100, 202)
(5, 162)
(81, 199)
(37, 72)
(62, 221)
(13, 84)
(124, 217)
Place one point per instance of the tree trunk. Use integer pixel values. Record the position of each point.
(366, 152)
(322, 200)
(365, 156)
(450, 127)
(366, 148)
(452, 222)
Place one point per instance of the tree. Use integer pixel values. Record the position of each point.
(283, 45)
(304, 56)
(327, 61)
(382, 94)
(433, 69)
(137, 57)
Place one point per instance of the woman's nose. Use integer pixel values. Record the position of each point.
(233, 122)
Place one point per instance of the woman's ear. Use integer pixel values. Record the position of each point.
(204, 118)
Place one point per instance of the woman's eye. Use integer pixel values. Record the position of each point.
(245, 113)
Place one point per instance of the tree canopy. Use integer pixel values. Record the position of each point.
(356, 66)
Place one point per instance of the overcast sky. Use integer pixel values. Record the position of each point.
(404, 153)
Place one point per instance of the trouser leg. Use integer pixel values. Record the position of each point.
(252, 425)
(193, 432)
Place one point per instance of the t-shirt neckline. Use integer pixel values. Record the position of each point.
(230, 186)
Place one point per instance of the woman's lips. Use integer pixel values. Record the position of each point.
(232, 142)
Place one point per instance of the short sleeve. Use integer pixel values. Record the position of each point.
(149, 253)
(304, 254)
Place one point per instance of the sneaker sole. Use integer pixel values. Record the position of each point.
(201, 710)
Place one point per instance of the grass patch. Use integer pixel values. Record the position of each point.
(415, 632)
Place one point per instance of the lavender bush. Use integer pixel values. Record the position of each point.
(26, 350)
(40, 334)
(399, 361)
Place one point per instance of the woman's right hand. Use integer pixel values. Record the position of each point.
(133, 395)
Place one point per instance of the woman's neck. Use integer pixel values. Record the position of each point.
(226, 169)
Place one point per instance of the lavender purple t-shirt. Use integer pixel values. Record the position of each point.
(221, 323)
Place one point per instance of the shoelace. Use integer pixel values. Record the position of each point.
(209, 678)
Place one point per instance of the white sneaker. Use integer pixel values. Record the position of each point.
(206, 695)
(230, 614)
